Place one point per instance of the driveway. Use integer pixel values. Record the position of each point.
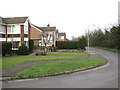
(105, 77)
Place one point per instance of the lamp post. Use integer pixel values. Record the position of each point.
(88, 40)
(89, 37)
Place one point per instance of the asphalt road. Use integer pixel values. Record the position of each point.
(105, 77)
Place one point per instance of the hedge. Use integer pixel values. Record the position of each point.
(67, 44)
(6, 48)
(31, 45)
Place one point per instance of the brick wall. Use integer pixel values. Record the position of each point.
(35, 34)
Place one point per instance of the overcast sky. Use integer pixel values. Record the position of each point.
(70, 16)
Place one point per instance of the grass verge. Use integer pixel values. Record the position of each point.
(110, 49)
(60, 66)
(13, 60)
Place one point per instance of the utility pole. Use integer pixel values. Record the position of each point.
(89, 37)
(88, 40)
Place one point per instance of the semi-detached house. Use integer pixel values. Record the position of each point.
(19, 30)
(15, 30)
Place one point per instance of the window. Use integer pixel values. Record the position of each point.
(25, 29)
(62, 37)
(16, 29)
(3, 29)
(8, 29)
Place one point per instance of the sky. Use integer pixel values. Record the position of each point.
(71, 16)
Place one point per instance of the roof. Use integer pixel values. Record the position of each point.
(45, 28)
(62, 33)
(48, 28)
(15, 20)
(36, 26)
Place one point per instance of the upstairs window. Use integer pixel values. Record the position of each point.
(25, 29)
(3, 29)
(8, 29)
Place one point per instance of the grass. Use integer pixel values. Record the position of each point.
(110, 49)
(59, 66)
(13, 60)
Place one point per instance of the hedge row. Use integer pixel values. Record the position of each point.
(67, 44)
(6, 48)
(31, 45)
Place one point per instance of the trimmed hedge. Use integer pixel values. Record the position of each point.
(31, 45)
(6, 48)
(23, 50)
(67, 44)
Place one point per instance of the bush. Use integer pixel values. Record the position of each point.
(40, 54)
(67, 44)
(82, 42)
(23, 50)
(31, 45)
(6, 48)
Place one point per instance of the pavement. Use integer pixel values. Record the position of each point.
(105, 77)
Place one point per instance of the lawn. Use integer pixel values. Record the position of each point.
(60, 66)
(13, 60)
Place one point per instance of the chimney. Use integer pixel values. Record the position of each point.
(48, 25)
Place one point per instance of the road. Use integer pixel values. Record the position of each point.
(105, 77)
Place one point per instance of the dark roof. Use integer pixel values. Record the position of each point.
(48, 28)
(14, 20)
(45, 28)
(62, 33)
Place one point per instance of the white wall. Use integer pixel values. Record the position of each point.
(26, 27)
(14, 39)
(2, 39)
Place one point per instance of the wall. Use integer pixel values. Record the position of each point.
(35, 34)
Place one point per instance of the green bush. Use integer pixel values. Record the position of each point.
(23, 50)
(6, 48)
(82, 42)
(31, 45)
(67, 44)
(40, 54)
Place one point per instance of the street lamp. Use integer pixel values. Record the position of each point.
(89, 37)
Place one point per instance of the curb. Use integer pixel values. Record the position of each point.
(55, 74)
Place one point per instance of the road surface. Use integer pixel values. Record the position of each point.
(105, 77)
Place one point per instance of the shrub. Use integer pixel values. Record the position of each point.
(6, 48)
(82, 43)
(40, 54)
(23, 50)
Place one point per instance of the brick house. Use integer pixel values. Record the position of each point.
(48, 35)
(15, 30)
(35, 35)
(61, 36)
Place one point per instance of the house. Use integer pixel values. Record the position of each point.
(15, 30)
(48, 36)
(45, 36)
(36, 36)
(61, 36)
